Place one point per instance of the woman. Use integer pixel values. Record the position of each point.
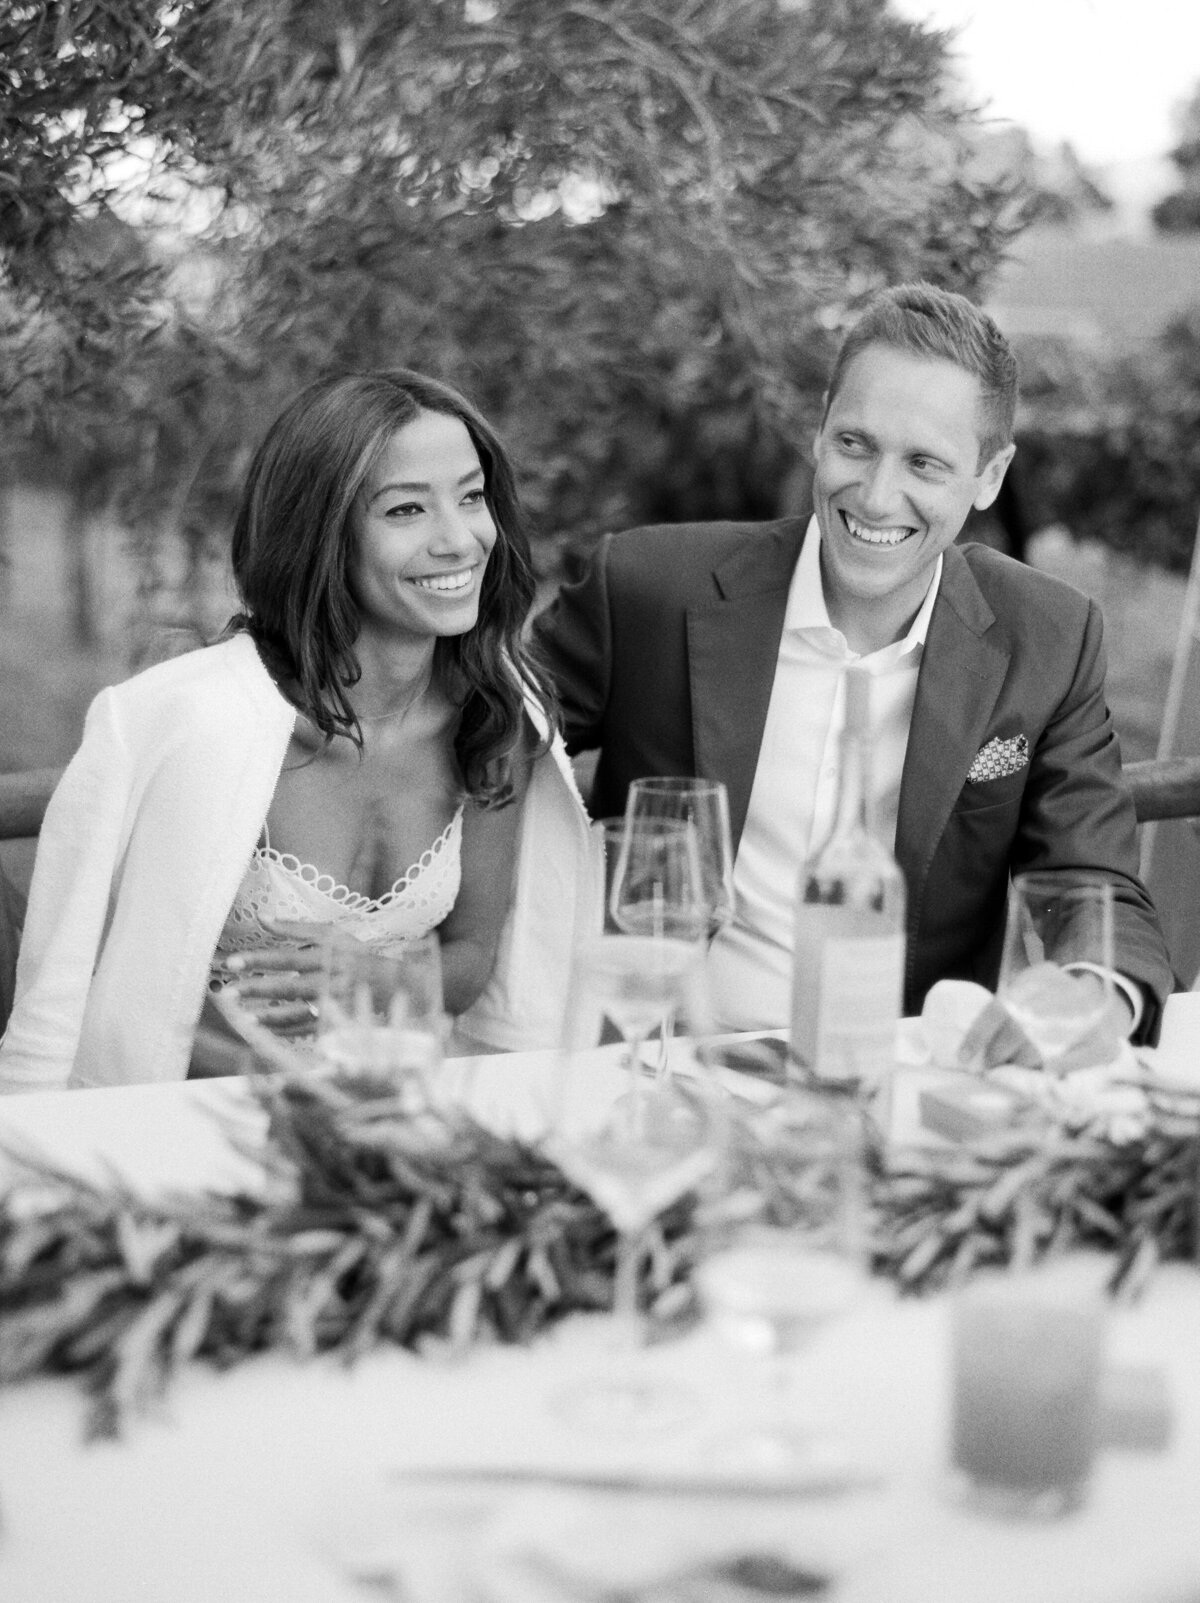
(370, 743)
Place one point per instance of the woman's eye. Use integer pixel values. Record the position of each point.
(474, 498)
(404, 509)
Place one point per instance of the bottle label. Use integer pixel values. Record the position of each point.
(858, 1004)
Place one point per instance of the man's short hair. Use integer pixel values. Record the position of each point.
(928, 321)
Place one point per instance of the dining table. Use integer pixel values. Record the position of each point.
(444, 1478)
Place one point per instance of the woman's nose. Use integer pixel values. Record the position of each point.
(454, 534)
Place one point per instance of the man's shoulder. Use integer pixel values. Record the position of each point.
(682, 557)
(713, 540)
(1012, 588)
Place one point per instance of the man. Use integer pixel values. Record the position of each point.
(718, 649)
(12, 916)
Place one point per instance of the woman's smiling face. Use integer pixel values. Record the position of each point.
(423, 532)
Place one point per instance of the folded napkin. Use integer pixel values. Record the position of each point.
(555, 1546)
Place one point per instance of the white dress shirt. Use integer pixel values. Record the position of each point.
(794, 795)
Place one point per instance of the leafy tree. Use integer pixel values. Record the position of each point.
(1112, 451)
(630, 228)
(1179, 212)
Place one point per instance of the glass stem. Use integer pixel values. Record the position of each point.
(662, 1069)
(635, 1123)
(625, 1310)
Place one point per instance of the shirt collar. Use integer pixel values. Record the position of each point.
(806, 609)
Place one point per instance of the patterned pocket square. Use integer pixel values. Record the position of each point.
(1000, 758)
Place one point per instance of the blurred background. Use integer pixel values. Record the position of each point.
(632, 231)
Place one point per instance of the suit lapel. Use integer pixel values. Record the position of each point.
(961, 677)
(733, 646)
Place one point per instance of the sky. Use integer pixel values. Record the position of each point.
(1104, 74)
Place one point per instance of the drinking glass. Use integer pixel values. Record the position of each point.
(380, 1010)
(635, 1152)
(1055, 921)
(1027, 1349)
(703, 806)
(648, 935)
(657, 887)
(770, 1287)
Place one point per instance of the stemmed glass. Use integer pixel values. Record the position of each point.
(653, 912)
(635, 1153)
(381, 1011)
(771, 1287)
(1056, 967)
(702, 807)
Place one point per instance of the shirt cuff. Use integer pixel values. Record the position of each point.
(1129, 989)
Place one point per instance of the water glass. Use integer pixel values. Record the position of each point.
(772, 1288)
(381, 1011)
(1027, 1350)
(1056, 967)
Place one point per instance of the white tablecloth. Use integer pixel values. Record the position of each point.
(271, 1481)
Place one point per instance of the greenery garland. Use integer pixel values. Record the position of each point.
(380, 1227)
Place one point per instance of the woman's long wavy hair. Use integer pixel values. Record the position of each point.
(293, 542)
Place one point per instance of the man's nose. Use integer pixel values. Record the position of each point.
(881, 489)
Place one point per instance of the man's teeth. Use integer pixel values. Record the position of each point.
(864, 531)
(446, 581)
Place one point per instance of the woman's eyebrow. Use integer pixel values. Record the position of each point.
(420, 484)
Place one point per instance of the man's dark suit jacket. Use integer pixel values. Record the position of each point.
(664, 643)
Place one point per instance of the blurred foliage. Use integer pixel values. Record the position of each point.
(1109, 447)
(1179, 212)
(631, 230)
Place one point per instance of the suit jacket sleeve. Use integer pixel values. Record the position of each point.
(1078, 813)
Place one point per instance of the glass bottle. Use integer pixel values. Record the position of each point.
(848, 954)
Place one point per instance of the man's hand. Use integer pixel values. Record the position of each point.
(995, 1038)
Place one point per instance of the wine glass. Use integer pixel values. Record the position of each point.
(657, 887)
(769, 1286)
(380, 1011)
(652, 915)
(635, 1147)
(1057, 963)
(703, 806)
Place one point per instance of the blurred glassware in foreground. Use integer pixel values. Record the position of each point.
(1056, 921)
(1027, 1349)
(381, 1011)
(635, 1149)
(771, 1288)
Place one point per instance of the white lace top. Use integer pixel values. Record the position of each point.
(278, 892)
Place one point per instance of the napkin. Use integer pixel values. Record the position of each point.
(560, 1548)
(951, 1007)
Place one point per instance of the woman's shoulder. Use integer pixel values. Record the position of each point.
(230, 669)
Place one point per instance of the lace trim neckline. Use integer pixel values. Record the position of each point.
(356, 901)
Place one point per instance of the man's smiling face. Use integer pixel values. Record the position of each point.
(897, 470)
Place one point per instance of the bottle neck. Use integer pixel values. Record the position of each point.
(855, 810)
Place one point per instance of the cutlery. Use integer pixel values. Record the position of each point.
(819, 1481)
